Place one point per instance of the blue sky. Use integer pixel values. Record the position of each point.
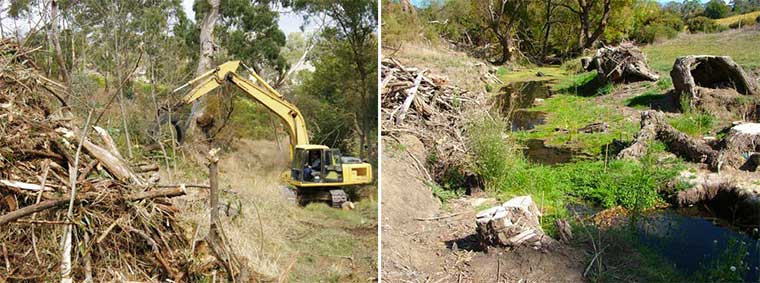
(289, 21)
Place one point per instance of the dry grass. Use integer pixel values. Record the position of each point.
(281, 241)
(732, 19)
(741, 45)
(457, 67)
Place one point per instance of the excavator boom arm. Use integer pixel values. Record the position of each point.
(259, 91)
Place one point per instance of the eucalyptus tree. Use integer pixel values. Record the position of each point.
(246, 30)
(346, 70)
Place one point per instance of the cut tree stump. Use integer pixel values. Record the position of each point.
(742, 143)
(691, 72)
(514, 223)
(619, 64)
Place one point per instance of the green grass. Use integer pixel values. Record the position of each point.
(732, 19)
(740, 45)
(331, 236)
(644, 100)
(529, 74)
(572, 113)
(694, 124)
(507, 173)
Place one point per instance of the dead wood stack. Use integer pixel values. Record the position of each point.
(123, 223)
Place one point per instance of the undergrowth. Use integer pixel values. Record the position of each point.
(571, 113)
(507, 173)
(693, 122)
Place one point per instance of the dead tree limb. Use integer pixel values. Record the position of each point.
(48, 204)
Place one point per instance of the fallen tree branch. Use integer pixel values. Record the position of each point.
(48, 204)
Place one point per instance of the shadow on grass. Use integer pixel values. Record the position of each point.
(585, 85)
(667, 102)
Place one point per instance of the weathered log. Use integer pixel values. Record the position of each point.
(108, 142)
(655, 127)
(113, 164)
(690, 72)
(24, 186)
(623, 63)
(564, 229)
(599, 127)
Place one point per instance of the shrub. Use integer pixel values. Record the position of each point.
(654, 32)
(757, 19)
(704, 24)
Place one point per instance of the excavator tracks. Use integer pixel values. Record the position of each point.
(334, 197)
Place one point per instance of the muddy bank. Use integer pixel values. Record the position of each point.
(736, 203)
(423, 242)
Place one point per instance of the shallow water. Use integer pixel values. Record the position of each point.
(516, 97)
(537, 152)
(690, 242)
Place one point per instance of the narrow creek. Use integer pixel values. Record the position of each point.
(690, 239)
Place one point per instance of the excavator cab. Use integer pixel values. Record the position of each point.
(317, 164)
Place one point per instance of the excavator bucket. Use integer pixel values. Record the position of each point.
(210, 81)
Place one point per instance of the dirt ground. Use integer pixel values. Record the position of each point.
(281, 241)
(425, 241)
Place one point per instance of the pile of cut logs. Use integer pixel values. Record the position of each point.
(71, 207)
(422, 104)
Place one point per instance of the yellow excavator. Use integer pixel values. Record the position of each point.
(317, 173)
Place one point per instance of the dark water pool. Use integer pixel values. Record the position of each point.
(516, 97)
(692, 242)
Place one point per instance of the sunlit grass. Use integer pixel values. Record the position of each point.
(742, 46)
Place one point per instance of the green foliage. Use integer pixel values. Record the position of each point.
(704, 24)
(652, 23)
(495, 157)
(503, 167)
(339, 99)
(692, 122)
(248, 18)
(574, 112)
(400, 26)
(716, 9)
(626, 183)
(444, 195)
(729, 266)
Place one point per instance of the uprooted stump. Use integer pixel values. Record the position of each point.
(619, 64)
(514, 223)
(734, 151)
(689, 73)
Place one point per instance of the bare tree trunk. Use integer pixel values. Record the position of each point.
(56, 43)
(547, 28)
(121, 98)
(205, 62)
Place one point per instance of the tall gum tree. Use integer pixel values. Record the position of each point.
(355, 22)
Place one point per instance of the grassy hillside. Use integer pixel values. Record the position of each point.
(732, 19)
(742, 46)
